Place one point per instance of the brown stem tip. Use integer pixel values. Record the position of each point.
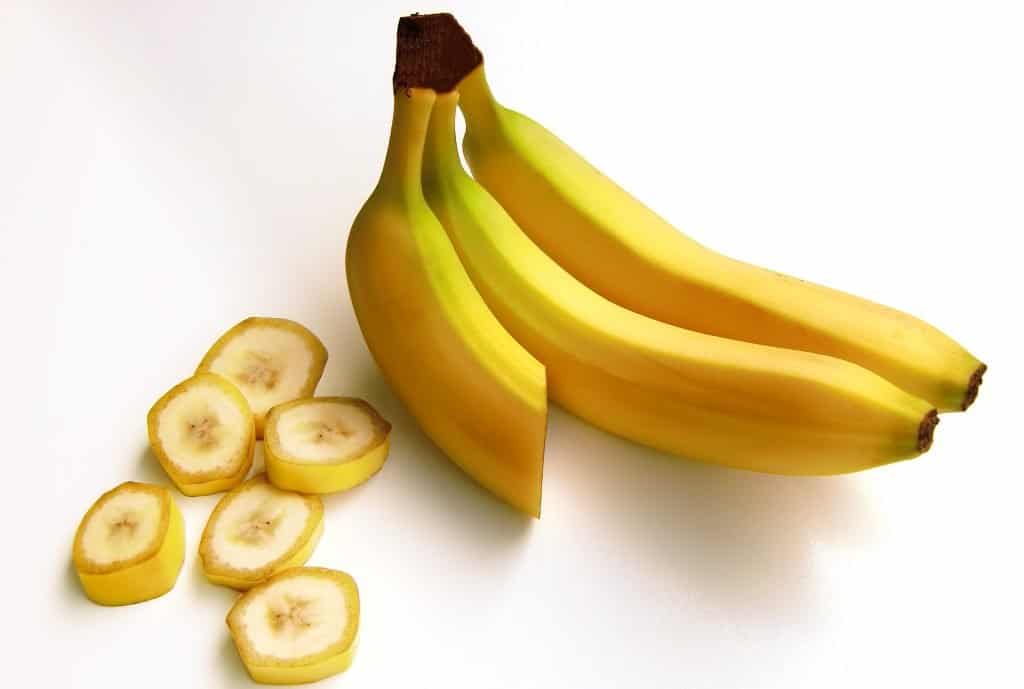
(972, 387)
(434, 52)
(926, 430)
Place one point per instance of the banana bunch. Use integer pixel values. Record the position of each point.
(481, 296)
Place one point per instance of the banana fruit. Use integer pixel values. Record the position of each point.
(258, 530)
(478, 394)
(270, 360)
(324, 444)
(704, 397)
(130, 545)
(203, 434)
(624, 251)
(299, 626)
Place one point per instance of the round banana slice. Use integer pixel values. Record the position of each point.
(203, 434)
(258, 530)
(271, 360)
(298, 626)
(324, 444)
(130, 545)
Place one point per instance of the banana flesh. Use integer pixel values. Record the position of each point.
(130, 545)
(270, 360)
(299, 626)
(203, 434)
(257, 530)
(325, 444)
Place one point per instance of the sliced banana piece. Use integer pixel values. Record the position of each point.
(203, 434)
(324, 444)
(298, 626)
(130, 545)
(258, 530)
(271, 360)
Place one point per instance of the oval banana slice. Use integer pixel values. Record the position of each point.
(258, 530)
(271, 360)
(324, 444)
(130, 545)
(203, 434)
(298, 626)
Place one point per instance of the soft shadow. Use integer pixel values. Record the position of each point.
(214, 596)
(71, 587)
(743, 542)
(148, 469)
(229, 665)
(426, 480)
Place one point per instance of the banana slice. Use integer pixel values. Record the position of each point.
(258, 530)
(130, 545)
(324, 444)
(203, 434)
(271, 360)
(298, 626)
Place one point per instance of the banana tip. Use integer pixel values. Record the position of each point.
(926, 430)
(972, 387)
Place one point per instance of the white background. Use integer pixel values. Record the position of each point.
(168, 168)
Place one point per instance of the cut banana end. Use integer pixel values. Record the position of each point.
(130, 545)
(324, 444)
(271, 360)
(298, 626)
(203, 434)
(258, 530)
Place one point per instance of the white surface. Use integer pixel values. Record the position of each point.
(167, 168)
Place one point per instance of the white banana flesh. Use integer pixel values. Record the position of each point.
(122, 527)
(270, 360)
(203, 430)
(325, 432)
(299, 626)
(203, 434)
(256, 531)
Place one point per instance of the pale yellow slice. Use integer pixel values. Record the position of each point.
(258, 530)
(324, 444)
(298, 626)
(271, 360)
(130, 545)
(203, 434)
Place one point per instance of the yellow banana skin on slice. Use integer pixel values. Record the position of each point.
(708, 398)
(476, 392)
(627, 253)
(151, 571)
(332, 475)
(308, 626)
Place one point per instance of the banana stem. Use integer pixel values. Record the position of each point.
(441, 153)
(476, 100)
(404, 161)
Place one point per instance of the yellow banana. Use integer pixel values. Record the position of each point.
(473, 389)
(705, 397)
(624, 251)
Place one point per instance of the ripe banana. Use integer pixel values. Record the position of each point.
(704, 397)
(130, 545)
(203, 434)
(258, 530)
(473, 389)
(270, 360)
(299, 626)
(324, 444)
(624, 251)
